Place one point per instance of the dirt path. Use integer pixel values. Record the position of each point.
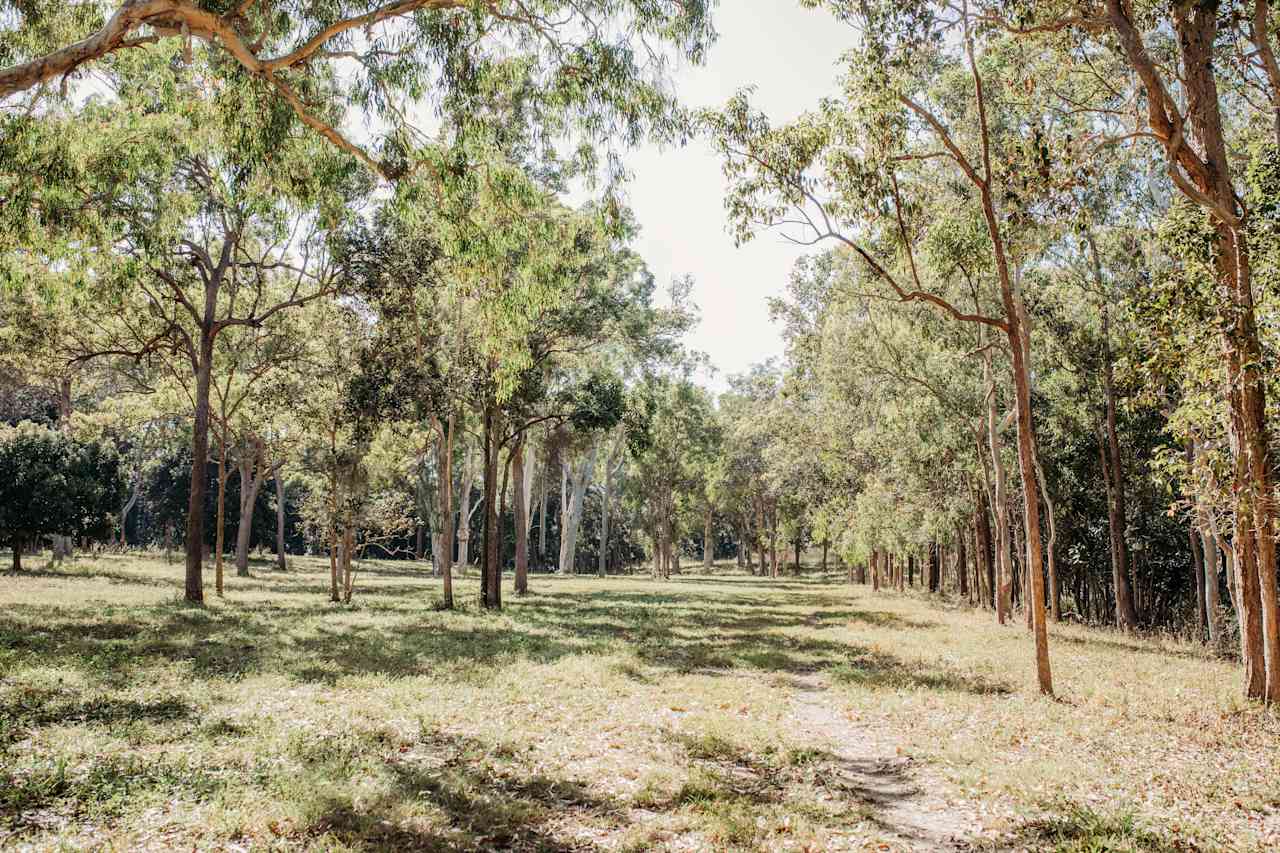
(870, 769)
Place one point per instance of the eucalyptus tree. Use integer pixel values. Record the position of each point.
(591, 70)
(928, 133)
(1202, 84)
(680, 437)
(212, 224)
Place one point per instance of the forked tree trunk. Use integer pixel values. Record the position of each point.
(134, 493)
(571, 520)
(253, 470)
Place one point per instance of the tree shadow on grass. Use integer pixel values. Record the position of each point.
(687, 631)
(483, 802)
(865, 667)
(26, 709)
(1135, 645)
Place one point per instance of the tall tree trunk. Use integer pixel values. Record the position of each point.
(1197, 576)
(983, 519)
(1209, 170)
(1120, 586)
(465, 511)
(542, 515)
(773, 541)
(1055, 594)
(281, 564)
(253, 468)
(491, 574)
(962, 561)
(220, 518)
(760, 536)
(520, 496)
(1209, 590)
(602, 568)
(571, 519)
(708, 545)
(134, 493)
(1003, 579)
(1019, 344)
(446, 435)
(199, 466)
(1126, 613)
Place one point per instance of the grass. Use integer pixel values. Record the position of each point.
(623, 714)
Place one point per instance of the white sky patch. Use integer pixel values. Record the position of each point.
(790, 55)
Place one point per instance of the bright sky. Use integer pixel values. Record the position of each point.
(789, 54)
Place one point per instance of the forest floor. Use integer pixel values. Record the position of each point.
(704, 713)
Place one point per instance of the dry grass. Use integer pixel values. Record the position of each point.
(616, 714)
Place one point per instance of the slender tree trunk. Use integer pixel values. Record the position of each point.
(1209, 590)
(199, 466)
(1055, 594)
(134, 492)
(220, 520)
(602, 568)
(1019, 345)
(281, 564)
(708, 546)
(760, 536)
(491, 575)
(253, 466)
(988, 553)
(444, 468)
(773, 542)
(542, 516)
(464, 513)
(333, 568)
(1003, 579)
(522, 521)
(348, 554)
(1209, 169)
(571, 518)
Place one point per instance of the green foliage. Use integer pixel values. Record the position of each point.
(52, 484)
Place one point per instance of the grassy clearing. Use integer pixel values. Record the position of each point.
(617, 714)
